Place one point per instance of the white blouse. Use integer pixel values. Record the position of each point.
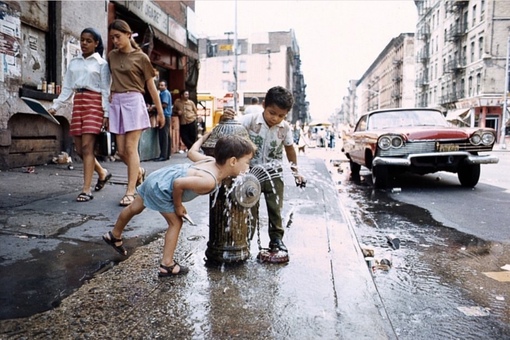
(92, 74)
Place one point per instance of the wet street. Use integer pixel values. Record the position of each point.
(436, 287)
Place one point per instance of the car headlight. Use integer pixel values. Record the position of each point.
(384, 142)
(387, 142)
(475, 139)
(397, 142)
(488, 138)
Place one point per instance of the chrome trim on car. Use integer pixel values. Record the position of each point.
(406, 161)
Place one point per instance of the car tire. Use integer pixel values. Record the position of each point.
(469, 175)
(355, 169)
(380, 176)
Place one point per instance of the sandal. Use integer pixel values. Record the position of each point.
(84, 197)
(141, 177)
(101, 182)
(111, 240)
(182, 270)
(126, 200)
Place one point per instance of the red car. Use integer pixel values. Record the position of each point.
(417, 140)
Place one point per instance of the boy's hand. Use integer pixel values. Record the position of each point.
(300, 180)
(228, 113)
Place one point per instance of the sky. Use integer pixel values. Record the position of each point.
(338, 39)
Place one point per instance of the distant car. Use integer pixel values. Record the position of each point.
(419, 140)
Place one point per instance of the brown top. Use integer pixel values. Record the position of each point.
(130, 71)
(188, 111)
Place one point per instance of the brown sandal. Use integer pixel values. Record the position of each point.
(182, 270)
(126, 200)
(111, 240)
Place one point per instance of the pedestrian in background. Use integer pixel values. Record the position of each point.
(166, 189)
(271, 134)
(255, 107)
(164, 132)
(187, 112)
(87, 84)
(131, 71)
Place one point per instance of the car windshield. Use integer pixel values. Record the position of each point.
(391, 119)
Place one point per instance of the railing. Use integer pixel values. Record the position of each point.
(456, 32)
(422, 81)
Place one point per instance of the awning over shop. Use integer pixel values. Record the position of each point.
(170, 42)
(457, 114)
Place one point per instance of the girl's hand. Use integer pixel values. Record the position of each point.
(52, 111)
(161, 120)
(106, 124)
(180, 211)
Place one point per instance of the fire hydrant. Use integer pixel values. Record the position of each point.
(228, 213)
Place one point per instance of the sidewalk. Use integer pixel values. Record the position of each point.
(326, 290)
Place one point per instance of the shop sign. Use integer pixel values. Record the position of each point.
(150, 13)
(176, 32)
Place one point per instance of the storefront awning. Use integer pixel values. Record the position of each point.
(170, 42)
(457, 114)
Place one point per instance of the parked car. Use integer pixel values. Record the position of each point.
(417, 140)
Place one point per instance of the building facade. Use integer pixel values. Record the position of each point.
(461, 51)
(43, 36)
(263, 60)
(389, 81)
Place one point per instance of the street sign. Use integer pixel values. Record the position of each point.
(225, 47)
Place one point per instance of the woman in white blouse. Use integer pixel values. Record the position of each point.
(87, 84)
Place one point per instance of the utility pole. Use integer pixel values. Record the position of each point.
(234, 49)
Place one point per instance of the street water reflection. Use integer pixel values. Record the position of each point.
(435, 288)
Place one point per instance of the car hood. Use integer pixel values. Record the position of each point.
(434, 132)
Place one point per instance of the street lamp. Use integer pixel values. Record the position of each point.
(378, 93)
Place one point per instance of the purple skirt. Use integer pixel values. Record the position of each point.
(128, 112)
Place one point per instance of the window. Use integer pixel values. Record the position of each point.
(242, 85)
(472, 51)
(478, 83)
(482, 9)
(480, 48)
(242, 66)
(225, 85)
(470, 86)
(474, 16)
(226, 68)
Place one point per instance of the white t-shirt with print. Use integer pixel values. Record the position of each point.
(270, 141)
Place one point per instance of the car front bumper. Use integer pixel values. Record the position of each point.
(407, 160)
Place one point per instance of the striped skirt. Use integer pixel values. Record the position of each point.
(87, 113)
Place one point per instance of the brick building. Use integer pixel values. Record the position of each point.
(41, 37)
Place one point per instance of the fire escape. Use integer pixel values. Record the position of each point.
(454, 66)
(422, 57)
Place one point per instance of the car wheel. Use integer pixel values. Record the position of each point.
(380, 176)
(469, 175)
(355, 169)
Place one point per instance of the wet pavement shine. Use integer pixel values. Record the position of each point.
(326, 290)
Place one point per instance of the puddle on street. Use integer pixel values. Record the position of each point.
(435, 287)
(36, 285)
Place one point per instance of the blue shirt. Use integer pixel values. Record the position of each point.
(166, 98)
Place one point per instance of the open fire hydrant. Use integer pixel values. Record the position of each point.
(228, 207)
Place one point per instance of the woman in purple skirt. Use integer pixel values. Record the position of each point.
(131, 71)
